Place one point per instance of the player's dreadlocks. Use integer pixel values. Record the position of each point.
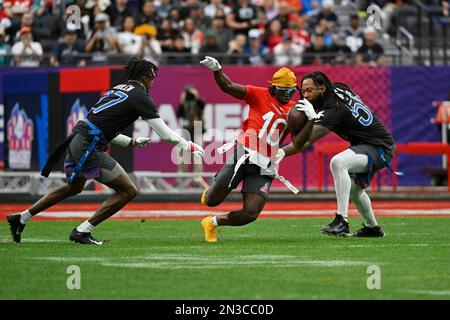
(136, 68)
(319, 78)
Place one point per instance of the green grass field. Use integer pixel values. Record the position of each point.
(269, 259)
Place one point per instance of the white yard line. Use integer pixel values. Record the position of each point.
(430, 292)
(183, 261)
(200, 213)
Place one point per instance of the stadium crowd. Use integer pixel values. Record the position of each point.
(243, 32)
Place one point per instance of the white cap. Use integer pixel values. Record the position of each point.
(254, 33)
(101, 17)
(327, 3)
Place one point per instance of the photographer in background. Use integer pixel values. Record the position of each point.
(190, 115)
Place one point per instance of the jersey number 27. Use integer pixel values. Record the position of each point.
(118, 97)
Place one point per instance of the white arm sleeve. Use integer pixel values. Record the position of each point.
(122, 140)
(166, 133)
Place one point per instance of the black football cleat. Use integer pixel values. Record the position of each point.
(83, 238)
(337, 227)
(367, 232)
(15, 226)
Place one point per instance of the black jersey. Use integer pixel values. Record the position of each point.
(117, 109)
(353, 121)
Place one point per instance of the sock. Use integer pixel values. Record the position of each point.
(86, 226)
(25, 216)
(364, 205)
(214, 221)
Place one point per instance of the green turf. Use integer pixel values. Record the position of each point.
(268, 259)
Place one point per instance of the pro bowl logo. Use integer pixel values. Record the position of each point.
(77, 113)
(20, 133)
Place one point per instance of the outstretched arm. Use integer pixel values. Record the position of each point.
(172, 137)
(234, 89)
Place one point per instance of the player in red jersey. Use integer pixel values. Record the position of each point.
(255, 149)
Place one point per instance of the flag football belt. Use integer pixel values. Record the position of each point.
(98, 134)
(256, 158)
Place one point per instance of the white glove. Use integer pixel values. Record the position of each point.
(141, 142)
(195, 149)
(280, 156)
(211, 63)
(306, 107)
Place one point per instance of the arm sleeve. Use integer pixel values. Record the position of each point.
(166, 133)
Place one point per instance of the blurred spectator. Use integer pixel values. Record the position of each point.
(17, 7)
(327, 12)
(196, 14)
(325, 29)
(68, 51)
(179, 54)
(287, 53)
(284, 12)
(175, 19)
(166, 35)
(26, 52)
(102, 39)
(5, 49)
(371, 53)
(128, 42)
(243, 17)
(257, 52)
(215, 8)
(150, 48)
(297, 32)
(117, 12)
(273, 35)
(354, 35)
(310, 7)
(236, 49)
(163, 9)
(224, 34)
(318, 53)
(211, 44)
(149, 14)
(271, 9)
(342, 54)
(193, 37)
(25, 20)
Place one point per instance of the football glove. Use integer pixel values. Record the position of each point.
(306, 107)
(195, 149)
(211, 63)
(141, 142)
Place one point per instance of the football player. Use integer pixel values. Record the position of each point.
(87, 144)
(255, 148)
(371, 148)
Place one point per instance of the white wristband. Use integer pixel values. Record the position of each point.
(122, 140)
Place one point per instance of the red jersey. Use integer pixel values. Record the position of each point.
(266, 125)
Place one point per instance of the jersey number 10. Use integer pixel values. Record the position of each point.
(267, 120)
